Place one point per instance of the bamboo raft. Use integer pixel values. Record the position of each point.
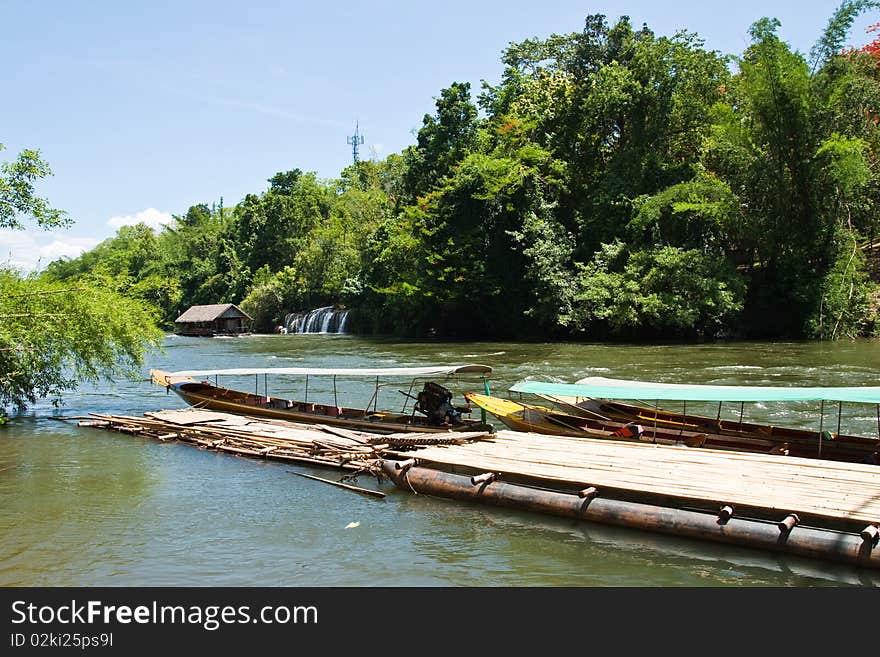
(834, 490)
(815, 508)
(277, 440)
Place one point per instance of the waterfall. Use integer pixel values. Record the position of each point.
(320, 320)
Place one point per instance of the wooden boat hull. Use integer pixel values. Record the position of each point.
(520, 416)
(205, 395)
(801, 442)
(537, 419)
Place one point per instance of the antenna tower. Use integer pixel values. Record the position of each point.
(354, 141)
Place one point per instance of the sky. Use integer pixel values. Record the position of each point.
(143, 109)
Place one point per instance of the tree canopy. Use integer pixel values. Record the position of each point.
(54, 335)
(614, 183)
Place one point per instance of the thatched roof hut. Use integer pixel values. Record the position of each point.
(213, 319)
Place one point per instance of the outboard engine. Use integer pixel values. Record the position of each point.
(435, 402)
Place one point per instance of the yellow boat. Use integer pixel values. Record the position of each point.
(521, 416)
(516, 416)
(538, 419)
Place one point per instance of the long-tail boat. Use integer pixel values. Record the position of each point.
(594, 398)
(432, 410)
(521, 416)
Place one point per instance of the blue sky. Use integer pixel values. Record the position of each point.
(145, 108)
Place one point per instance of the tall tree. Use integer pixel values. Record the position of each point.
(795, 157)
(53, 335)
(18, 198)
(443, 140)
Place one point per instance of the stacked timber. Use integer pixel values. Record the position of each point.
(278, 440)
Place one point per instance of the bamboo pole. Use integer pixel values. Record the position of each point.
(808, 487)
(823, 488)
(357, 489)
(798, 539)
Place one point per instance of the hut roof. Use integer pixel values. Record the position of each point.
(211, 312)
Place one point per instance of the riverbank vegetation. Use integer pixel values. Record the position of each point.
(55, 335)
(613, 184)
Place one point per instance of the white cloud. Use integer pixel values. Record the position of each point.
(29, 250)
(151, 216)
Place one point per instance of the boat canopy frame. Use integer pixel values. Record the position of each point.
(459, 372)
(442, 370)
(604, 388)
(600, 387)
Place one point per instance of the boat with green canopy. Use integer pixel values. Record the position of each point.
(432, 410)
(597, 397)
(605, 388)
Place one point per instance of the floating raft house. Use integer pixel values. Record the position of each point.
(213, 319)
(814, 508)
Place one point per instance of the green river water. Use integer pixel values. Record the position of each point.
(85, 507)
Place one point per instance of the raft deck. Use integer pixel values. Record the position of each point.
(815, 508)
(278, 440)
(824, 491)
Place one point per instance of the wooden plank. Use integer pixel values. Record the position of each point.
(822, 488)
(781, 484)
(187, 416)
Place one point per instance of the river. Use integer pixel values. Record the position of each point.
(86, 507)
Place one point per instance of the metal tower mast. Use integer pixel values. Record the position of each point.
(354, 141)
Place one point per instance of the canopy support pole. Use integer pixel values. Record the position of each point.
(307, 389)
(376, 397)
(684, 413)
(742, 406)
(656, 406)
(257, 385)
(821, 424)
(335, 400)
(407, 397)
(718, 418)
(483, 417)
(839, 411)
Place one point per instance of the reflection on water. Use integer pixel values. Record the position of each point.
(85, 507)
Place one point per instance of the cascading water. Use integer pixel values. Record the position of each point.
(320, 320)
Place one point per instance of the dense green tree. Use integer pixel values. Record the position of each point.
(53, 335)
(660, 292)
(271, 228)
(285, 182)
(798, 181)
(617, 183)
(625, 110)
(18, 199)
(442, 141)
(196, 215)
